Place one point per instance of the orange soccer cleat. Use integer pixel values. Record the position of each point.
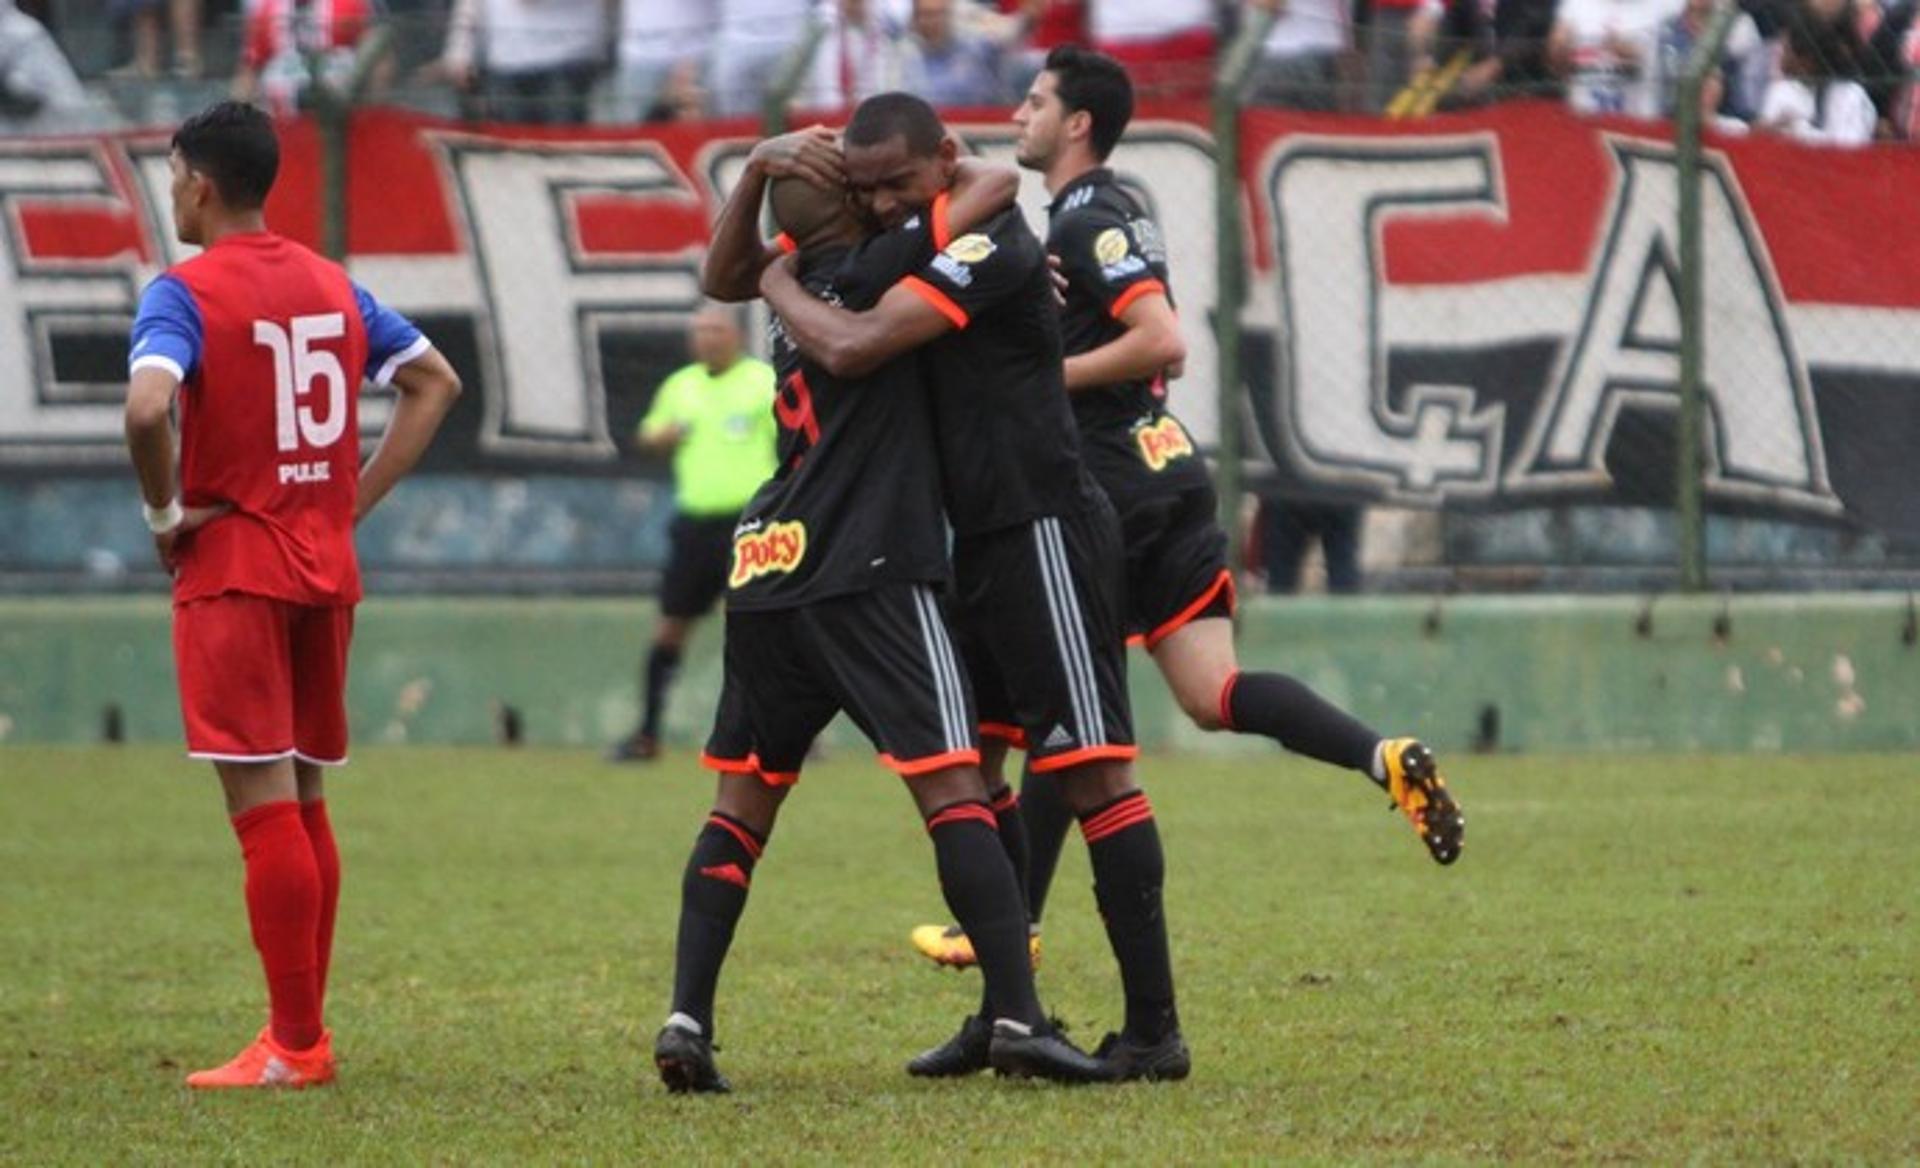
(265, 1063)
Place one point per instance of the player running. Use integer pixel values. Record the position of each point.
(271, 344)
(1121, 334)
(1036, 550)
(833, 605)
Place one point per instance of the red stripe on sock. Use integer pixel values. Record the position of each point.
(1226, 700)
(745, 837)
(1112, 827)
(1130, 807)
(961, 813)
(283, 908)
(1005, 801)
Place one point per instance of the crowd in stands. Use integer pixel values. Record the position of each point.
(1831, 71)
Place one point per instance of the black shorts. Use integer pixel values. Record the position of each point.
(697, 564)
(884, 656)
(1040, 613)
(1176, 563)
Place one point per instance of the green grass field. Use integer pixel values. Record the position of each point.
(1646, 959)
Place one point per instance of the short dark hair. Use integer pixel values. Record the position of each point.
(886, 116)
(234, 145)
(1094, 82)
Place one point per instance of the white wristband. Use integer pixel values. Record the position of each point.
(161, 520)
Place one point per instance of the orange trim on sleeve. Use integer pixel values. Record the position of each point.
(1134, 293)
(1223, 581)
(1073, 758)
(1013, 736)
(785, 243)
(941, 302)
(907, 768)
(937, 218)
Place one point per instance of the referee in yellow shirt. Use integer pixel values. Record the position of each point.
(716, 417)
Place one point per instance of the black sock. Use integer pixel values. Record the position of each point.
(1047, 819)
(1008, 821)
(978, 882)
(713, 893)
(663, 665)
(1285, 710)
(1128, 869)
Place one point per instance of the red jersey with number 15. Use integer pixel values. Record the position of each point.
(268, 418)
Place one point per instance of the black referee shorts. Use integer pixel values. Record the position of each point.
(700, 555)
(1040, 609)
(1176, 563)
(884, 656)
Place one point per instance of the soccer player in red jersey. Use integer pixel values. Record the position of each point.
(265, 346)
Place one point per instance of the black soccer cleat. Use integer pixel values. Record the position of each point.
(1167, 1060)
(1413, 779)
(685, 1061)
(1019, 1051)
(963, 1054)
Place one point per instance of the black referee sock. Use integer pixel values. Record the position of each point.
(983, 896)
(663, 665)
(1128, 870)
(713, 893)
(1285, 710)
(1047, 819)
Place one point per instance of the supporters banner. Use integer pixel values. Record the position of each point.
(1475, 310)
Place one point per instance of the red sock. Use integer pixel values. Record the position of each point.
(326, 854)
(283, 906)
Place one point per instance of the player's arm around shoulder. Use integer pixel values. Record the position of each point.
(854, 344)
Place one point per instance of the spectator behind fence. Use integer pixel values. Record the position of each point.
(39, 91)
(751, 39)
(954, 57)
(1740, 75)
(663, 45)
(1300, 59)
(144, 23)
(1465, 52)
(1167, 45)
(863, 53)
(281, 37)
(1605, 50)
(1815, 95)
(525, 60)
(1288, 528)
(1388, 36)
(1045, 25)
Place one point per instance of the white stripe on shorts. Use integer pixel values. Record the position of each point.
(946, 675)
(1069, 631)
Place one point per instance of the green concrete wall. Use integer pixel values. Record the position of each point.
(1797, 673)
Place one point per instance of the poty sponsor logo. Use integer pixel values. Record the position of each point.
(779, 548)
(1162, 442)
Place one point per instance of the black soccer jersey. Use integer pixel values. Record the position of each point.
(1008, 446)
(1112, 254)
(855, 502)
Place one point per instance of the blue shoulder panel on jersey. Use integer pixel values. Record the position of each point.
(167, 331)
(392, 339)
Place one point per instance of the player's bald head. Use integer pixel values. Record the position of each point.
(807, 213)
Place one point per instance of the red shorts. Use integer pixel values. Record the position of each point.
(262, 679)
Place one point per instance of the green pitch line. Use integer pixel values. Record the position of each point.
(1656, 959)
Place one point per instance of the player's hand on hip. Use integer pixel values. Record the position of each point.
(812, 154)
(192, 518)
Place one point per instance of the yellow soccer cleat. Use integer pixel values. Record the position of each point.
(1413, 779)
(265, 1063)
(948, 945)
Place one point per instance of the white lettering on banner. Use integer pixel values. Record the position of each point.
(1763, 439)
(41, 297)
(548, 301)
(1331, 202)
(1618, 327)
